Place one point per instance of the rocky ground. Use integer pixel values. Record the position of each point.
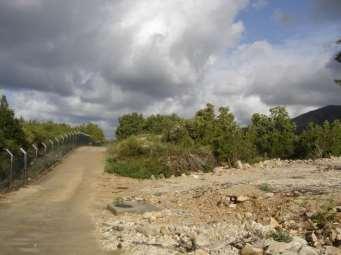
(273, 207)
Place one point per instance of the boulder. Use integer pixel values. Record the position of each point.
(307, 250)
(297, 246)
(330, 250)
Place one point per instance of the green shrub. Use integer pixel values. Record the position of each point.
(178, 135)
(145, 155)
(326, 215)
(281, 236)
(130, 124)
(138, 168)
(212, 136)
(265, 187)
(320, 141)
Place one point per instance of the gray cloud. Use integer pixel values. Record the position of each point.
(93, 60)
(78, 60)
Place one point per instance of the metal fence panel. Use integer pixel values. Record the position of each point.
(39, 158)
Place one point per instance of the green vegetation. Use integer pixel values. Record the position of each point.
(320, 141)
(265, 187)
(281, 236)
(94, 131)
(326, 215)
(144, 156)
(273, 135)
(165, 145)
(11, 132)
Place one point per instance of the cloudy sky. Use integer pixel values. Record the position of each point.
(93, 60)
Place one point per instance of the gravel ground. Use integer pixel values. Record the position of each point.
(227, 211)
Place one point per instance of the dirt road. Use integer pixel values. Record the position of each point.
(53, 216)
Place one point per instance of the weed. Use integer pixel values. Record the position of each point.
(281, 236)
(265, 187)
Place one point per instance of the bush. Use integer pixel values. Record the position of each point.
(145, 155)
(281, 236)
(178, 135)
(320, 141)
(169, 145)
(130, 124)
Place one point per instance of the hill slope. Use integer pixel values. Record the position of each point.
(329, 113)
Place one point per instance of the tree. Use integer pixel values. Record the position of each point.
(202, 127)
(130, 124)
(231, 143)
(11, 132)
(320, 140)
(38, 132)
(94, 131)
(274, 135)
(158, 124)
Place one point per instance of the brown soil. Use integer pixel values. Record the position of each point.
(53, 216)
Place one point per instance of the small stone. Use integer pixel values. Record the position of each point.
(233, 206)
(195, 176)
(269, 195)
(274, 223)
(248, 215)
(118, 228)
(201, 252)
(250, 250)
(152, 177)
(163, 230)
(147, 230)
(202, 240)
(247, 166)
(241, 199)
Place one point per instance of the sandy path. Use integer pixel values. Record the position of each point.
(54, 215)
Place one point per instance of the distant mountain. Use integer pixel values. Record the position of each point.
(329, 113)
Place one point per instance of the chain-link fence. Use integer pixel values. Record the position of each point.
(19, 166)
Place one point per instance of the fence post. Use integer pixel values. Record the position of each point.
(25, 165)
(65, 139)
(61, 139)
(57, 140)
(11, 166)
(74, 138)
(45, 147)
(51, 142)
(36, 149)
